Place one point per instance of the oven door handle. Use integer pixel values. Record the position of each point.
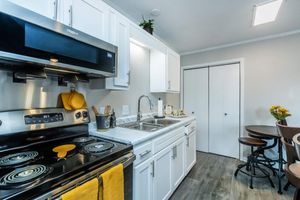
(55, 194)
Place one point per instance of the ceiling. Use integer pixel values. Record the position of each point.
(195, 25)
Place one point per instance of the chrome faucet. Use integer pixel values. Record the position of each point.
(139, 114)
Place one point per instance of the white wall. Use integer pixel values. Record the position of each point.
(272, 75)
(140, 84)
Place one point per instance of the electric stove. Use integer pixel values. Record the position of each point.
(29, 166)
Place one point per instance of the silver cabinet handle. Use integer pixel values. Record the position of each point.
(188, 141)
(169, 85)
(129, 76)
(142, 155)
(152, 173)
(55, 9)
(71, 16)
(174, 149)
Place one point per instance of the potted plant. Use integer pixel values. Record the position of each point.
(147, 25)
(280, 113)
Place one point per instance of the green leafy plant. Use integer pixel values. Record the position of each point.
(147, 24)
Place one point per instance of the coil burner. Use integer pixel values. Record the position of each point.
(98, 147)
(24, 175)
(18, 158)
(83, 139)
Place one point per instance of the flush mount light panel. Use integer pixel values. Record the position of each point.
(266, 12)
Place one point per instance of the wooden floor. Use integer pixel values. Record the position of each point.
(212, 179)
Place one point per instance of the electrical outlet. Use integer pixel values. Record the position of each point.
(125, 110)
(101, 110)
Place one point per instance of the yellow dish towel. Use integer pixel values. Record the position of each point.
(113, 183)
(86, 191)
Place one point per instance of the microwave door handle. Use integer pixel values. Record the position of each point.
(71, 16)
(55, 2)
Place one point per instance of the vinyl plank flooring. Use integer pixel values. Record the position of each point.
(212, 179)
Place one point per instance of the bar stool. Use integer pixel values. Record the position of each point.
(262, 158)
(252, 163)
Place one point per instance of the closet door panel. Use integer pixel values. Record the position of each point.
(195, 100)
(224, 106)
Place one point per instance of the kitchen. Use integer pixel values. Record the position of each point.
(169, 97)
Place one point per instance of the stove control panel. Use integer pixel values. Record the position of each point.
(43, 118)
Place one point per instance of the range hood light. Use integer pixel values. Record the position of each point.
(54, 60)
(61, 70)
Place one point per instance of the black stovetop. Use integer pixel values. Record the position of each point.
(58, 171)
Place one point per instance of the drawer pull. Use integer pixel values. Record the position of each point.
(142, 155)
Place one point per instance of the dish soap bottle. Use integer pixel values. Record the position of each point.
(113, 119)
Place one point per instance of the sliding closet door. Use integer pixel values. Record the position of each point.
(224, 109)
(195, 100)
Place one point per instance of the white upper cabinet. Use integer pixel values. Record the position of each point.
(48, 8)
(164, 71)
(119, 36)
(90, 17)
(173, 71)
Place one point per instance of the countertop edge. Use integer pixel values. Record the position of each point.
(145, 136)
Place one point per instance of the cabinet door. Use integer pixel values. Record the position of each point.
(195, 101)
(143, 181)
(122, 40)
(46, 8)
(177, 163)
(173, 71)
(190, 151)
(91, 19)
(162, 186)
(224, 88)
(119, 36)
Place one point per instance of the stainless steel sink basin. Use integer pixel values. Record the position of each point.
(142, 126)
(164, 122)
(150, 125)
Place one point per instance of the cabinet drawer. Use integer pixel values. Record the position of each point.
(143, 152)
(167, 139)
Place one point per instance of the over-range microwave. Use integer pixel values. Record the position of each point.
(29, 38)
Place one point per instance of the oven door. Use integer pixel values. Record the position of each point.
(126, 160)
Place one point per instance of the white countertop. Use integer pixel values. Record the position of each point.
(136, 137)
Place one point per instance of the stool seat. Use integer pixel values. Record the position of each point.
(295, 169)
(259, 136)
(255, 142)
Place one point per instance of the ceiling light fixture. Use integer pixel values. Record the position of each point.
(266, 12)
(155, 12)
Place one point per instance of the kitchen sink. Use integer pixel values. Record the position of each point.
(164, 122)
(150, 125)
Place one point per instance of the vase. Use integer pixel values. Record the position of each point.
(282, 122)
(149, 30)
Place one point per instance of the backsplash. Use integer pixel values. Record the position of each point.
(44, 93)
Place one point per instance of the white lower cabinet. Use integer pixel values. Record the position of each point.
(177, 163)
(143, 180)
(158, 177)
(190, 151)
(162, 185)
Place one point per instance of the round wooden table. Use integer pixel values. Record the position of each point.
(263, 130)
(272, 132)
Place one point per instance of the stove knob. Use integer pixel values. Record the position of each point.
(85, 114)
(78, 115)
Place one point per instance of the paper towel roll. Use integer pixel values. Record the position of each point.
(160, 108)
